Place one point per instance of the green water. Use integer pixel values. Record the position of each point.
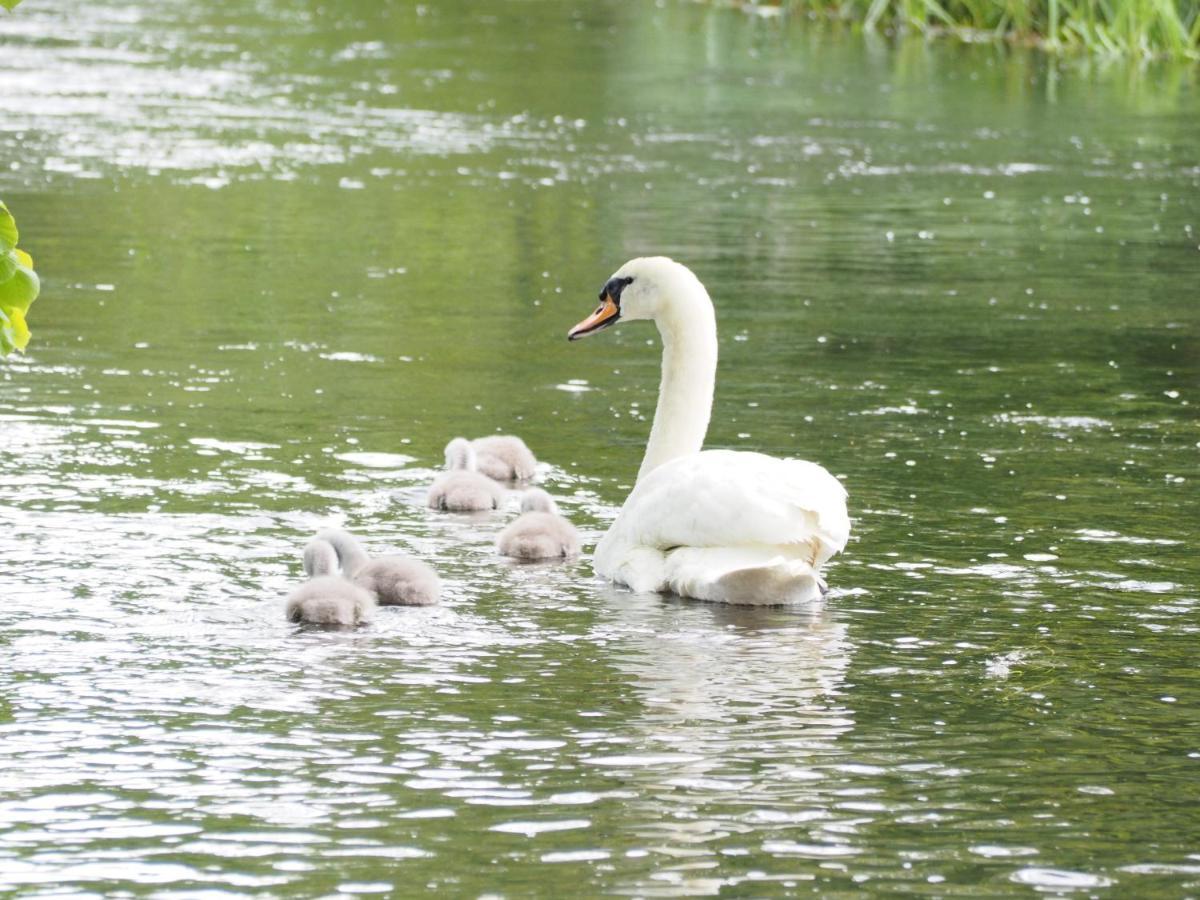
(289, 250)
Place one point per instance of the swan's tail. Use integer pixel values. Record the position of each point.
(743, 576)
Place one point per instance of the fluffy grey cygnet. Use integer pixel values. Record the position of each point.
(327, 598)
(394, 580)
(504, 457)
(461, 488)
(540, 532)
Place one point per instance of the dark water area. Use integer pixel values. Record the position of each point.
(288, 251)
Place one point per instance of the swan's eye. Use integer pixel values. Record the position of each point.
(613, 288)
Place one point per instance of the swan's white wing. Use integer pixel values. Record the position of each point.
(726, 498)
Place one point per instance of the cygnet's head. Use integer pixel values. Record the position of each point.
(537, 500)
(320, 558)
(460, 455)
(640, 289)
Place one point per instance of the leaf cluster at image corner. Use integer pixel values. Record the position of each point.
(19, 285)
(9, 4)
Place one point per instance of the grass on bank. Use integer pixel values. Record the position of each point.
(1118, 27)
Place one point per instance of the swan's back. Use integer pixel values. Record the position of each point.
(729, 498)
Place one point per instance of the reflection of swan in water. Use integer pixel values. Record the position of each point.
(693, 664)
(741, 710)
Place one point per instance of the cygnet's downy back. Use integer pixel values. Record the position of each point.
(504, 457)
(327, 598)
(540, 532)
(461, 488)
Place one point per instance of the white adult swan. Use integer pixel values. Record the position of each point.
(720, 525)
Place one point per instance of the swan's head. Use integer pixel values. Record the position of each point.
(637, 290)
(537, 500)
(460, 455)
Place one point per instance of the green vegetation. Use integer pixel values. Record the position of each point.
(1128, 27)
(19, 286)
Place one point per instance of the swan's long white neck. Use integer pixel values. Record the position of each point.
(688, 328)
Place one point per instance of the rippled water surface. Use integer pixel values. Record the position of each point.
(289, 250)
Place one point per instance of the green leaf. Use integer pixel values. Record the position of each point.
(8, 265)
(20, 331)
(10, 5)
(8, 227)
(14, 333)
(19, 284)
(19, 291)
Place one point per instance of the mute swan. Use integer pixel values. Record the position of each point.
(719, 525)
(504, 457)
(540, 532)
(461, 488)
(394, 580)
(327, 598)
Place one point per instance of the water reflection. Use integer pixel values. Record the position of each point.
(740, 715)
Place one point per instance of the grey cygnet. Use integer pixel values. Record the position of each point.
(461, 488)
(394, 580)
(540, 532)
(327, 598)
(504, 457)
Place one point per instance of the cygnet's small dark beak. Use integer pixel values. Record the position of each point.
(606, 314)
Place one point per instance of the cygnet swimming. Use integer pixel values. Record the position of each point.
(327, 598)
(461, 488)
(540, 532)
(504, 457)
(395, 580)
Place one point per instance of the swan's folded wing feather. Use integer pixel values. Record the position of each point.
(725, 498)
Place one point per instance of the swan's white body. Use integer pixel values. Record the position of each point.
(719, 525)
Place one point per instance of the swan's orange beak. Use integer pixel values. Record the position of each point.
(606, 314)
